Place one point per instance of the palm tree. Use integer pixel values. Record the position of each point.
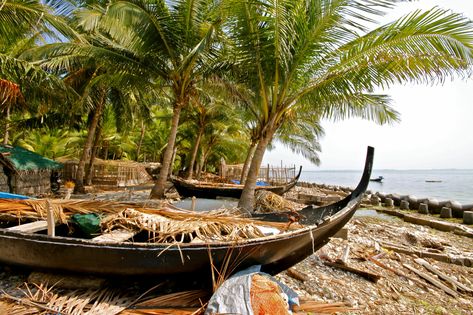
(23, 24)
(158, 41)
(318, 54)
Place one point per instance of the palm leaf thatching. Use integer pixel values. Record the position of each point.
(163, 224)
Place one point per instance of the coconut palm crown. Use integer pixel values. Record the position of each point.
(320, 54)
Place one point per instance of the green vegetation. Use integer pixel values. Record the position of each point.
(187, 83)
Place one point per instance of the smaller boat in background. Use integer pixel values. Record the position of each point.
(379, 179)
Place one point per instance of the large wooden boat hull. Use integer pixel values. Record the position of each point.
(202, 190)
(274, 253)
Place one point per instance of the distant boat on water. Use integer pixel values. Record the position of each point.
(379, 179)
(433, 181)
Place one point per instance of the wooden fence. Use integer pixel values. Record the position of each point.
(270, 174)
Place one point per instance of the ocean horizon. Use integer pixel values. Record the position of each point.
(442, 184)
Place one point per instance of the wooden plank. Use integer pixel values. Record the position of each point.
(31, 227)
(430, 279)
(443, 276)
(50, 220)
(115, 236)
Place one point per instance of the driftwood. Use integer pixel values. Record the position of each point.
(399, 273)
(344, 257)
(461, 261)
(430, 279)
(459, 286)
(293, 273)
(364, 274)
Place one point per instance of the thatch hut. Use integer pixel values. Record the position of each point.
(24, 172)
(110, 174)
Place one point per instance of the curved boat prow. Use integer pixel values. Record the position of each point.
(312, 214)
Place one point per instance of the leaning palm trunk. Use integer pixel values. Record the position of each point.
(248, 194)
(249, 157)
(158, 189)
(194, 153)
(79, 187)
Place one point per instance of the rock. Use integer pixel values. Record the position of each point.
(468, 217)
(413, 202)
(423, 208)
(375, 200)
(446, 213)
(434, 205)
(389, 202)
(404, 205)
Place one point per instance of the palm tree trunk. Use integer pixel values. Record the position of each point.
(140, 143)
(79, 187)
(246, 202)
(174, 152)
(194, 153)
(158, 189)
(90, 170)
(7, 126)
(249, 157)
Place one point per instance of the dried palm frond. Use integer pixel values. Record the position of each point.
(266, 201)
(163, 224)
(164, 228)
(43, 300)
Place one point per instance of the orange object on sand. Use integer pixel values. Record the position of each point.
(266, 298)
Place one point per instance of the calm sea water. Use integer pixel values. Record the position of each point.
(451, 184)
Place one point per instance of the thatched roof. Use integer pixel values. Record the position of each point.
(18, 159)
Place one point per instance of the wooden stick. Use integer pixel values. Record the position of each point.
(380, 264)
(441, 275)
(293, 273)
(344, 258)
(365, 274)
(461, 261)
(435, 282)
(50, 219)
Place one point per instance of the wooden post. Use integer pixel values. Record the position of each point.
(267, 174)
(50, 219)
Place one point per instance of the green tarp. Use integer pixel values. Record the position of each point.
(24, 160)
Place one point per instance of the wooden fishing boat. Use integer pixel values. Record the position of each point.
(209, 190)
(274, 253)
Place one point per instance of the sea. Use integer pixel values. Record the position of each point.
(447, 184)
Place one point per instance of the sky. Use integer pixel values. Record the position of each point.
(435, 131)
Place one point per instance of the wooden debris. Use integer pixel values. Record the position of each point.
(365, 274)
(344, 257)
(31, 227)
(320, 308)
(459, 286)
(462, 261)
(399, 273)
(115, 236)
(433, 281)
(293, 273)
(50, 219)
